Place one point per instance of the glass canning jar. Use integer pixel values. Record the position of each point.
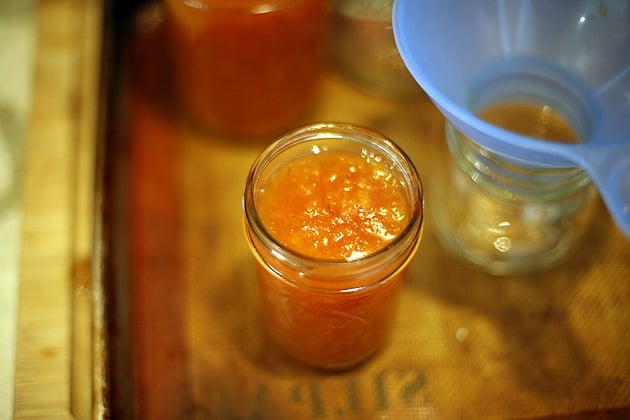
(365, 50)
(246, 68)
(504, 217)
(333, 214)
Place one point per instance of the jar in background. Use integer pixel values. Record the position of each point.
(247, 68)
(365, 50)
(333, 214)
(508, 218)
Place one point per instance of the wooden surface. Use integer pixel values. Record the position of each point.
(16, 52)
(53, 356)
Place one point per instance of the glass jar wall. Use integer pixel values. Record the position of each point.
(365, 50)
(505, 217)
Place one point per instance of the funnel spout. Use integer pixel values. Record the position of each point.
(609, 167)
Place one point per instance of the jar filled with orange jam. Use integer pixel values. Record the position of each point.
(333, 214)
(246, 68)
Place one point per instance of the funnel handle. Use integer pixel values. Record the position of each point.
(609, 167)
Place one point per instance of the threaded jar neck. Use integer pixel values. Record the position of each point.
(513, 179)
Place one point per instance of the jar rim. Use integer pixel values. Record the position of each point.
(405, 242)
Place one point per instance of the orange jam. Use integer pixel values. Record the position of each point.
(529, 119)
(247, 68)
(333, 227)
(342, 206)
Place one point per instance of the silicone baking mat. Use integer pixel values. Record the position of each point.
(184, 336)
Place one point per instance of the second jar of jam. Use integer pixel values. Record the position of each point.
(246, 68)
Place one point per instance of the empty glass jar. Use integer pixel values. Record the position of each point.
(504, 217)
(365, 49)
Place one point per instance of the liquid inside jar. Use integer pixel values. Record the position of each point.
(343, 206)
(531, 120)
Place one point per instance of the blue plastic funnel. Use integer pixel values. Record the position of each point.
(571, 55)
